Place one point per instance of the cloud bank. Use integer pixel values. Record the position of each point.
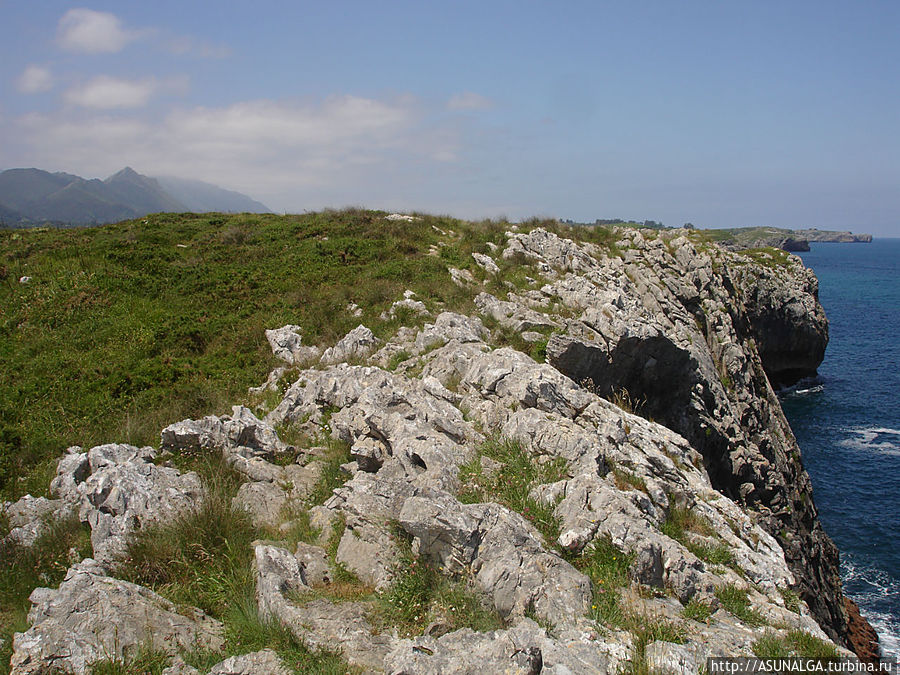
(265, 147)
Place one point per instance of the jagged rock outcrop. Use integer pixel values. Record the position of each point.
(690, 337)
(672, 326)
(30, 517)
(93, 617)
(118, 489)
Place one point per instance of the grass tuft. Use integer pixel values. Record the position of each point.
(794, 643)
(421, 595)
(511, 483)
(735, 601)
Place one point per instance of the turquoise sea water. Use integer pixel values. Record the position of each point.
(848, 423)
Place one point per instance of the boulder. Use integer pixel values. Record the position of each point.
(117, 489)
(355, 345)
(93, 617)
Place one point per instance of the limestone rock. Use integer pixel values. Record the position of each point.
(264, 662)
(486, 262)
(357, 344)
(505, 553)
(287, 345)
(92, 617)
(117, 489)
(30, 517)
(523, 648)
(320, 624)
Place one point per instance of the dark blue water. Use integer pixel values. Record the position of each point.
(848, 426)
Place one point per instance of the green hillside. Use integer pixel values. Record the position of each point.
(126, 328)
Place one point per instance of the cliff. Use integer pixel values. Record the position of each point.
(788, 240)
(582, 468)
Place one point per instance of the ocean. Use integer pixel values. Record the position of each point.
(847, 423)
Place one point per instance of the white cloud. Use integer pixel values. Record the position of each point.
(35, 79)
(300, 151)
(469, 101)
(92, 32)
(106, 93)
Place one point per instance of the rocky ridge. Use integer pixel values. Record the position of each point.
(702, 493)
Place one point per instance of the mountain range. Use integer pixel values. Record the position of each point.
(30, 197)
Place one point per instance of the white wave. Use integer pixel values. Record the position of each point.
(881, 440)
(881, 589)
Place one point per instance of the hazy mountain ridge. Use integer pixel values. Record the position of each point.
(30, 197)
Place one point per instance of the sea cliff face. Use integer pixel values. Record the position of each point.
(595, 452)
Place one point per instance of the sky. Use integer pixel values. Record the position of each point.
(720, 113)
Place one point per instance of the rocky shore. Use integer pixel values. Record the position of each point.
(634, 377)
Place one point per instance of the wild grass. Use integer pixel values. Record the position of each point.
(681, 521)
(626, 480)
(510, 484)
(607, 567)
(126, 328)
(647, 630)
(794, 643)
(205, 559)
(735, 601)
(421, 595)
(147, 661)
(697, 610)
(332, 476)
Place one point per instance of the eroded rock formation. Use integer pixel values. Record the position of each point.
(656, 401)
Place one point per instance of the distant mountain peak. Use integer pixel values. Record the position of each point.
(32, 197)
(126, 172)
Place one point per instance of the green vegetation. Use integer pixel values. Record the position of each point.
(791, 599)
(126, 328)
(681, 521)
(697, 610)
(510, 483)
(647, 630)
(794, 643)
(147, 661)
(332, 476)
(607, 567)
(626, 480)
(421, 595)
(735, 601)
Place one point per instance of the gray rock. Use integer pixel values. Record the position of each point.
(30, 517)
(92, 617)
(286, 343)
(486, 262)
(355, 345)
(117, 489)
(462, 278)
(240, 433)
(265, 662)
(320, 624)
(667, 658)
(314, 565)
(465, 652)
(503, 551)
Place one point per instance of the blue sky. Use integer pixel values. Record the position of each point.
(719, 113)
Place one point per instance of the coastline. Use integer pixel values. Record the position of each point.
(844, 421)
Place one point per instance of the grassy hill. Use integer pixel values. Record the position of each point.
(126, 328)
